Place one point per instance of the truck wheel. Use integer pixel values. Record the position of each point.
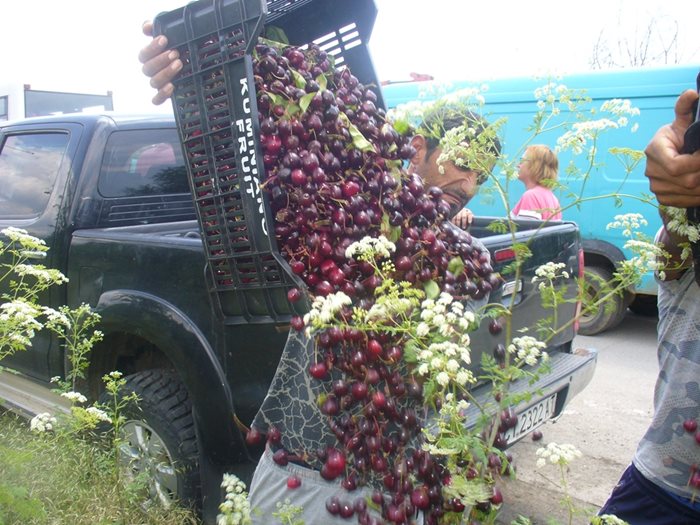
(606, 316)
(158, 439)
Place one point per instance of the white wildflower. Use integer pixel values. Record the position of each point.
(43, 275)
(464, 377)
(56, 316)
(98, 414)
(369, 248)
(527, 349)
(235, 509)
(557, 454)
(43, 422)
(422, 329)
(549, 271)
(75, 397)
(452, 365)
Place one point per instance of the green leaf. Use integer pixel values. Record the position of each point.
(358, 139)
(322, 81)
(385, 226)
(432, 290)
(305, 101)
(299, 81)
(395, 233)
(276, 34)
(276, 99)
(293, 109)
(402, 127)
(456, 266)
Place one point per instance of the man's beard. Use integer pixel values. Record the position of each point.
(457, 195)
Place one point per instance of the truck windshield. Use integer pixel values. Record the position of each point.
(143, 162)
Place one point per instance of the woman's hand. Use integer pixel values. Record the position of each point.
(160, 64)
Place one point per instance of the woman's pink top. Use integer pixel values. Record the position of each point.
(539, 203)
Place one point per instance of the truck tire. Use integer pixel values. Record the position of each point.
(158, 438)
(604, 318)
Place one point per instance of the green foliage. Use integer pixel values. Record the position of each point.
(65, 478)
(17, 506)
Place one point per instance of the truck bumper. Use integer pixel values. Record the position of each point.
(569, 374)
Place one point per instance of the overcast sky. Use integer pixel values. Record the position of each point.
(92, 45)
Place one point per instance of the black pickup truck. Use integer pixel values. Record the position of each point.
(110, 196)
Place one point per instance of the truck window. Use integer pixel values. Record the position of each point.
(142, 162)
(29, 165)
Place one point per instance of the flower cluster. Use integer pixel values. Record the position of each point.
(549, 272)
(43, 422)
(74, 397)
(235, 509)
(587, 131)
(324, 309)
(678, 223)
(647, 254)
(551, 94)
(528, 349)
(443, 329)
(394, 301)
(56, 317)
(98, 414)
(19, 321)
(621, 109)
(26, 241)
(370, 248)
(557, 454)
(646, 258)
(628, 223)
(45, 276)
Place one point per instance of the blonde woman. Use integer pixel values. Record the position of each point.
(538, 164)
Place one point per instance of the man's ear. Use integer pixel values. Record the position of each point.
(421, 146)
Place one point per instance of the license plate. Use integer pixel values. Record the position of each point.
(531, 418)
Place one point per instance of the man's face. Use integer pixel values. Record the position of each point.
(459, 185)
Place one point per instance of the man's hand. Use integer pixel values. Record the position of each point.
(160, 64)
(463, 219)
(674, 177)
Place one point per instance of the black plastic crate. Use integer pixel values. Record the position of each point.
(216, 111)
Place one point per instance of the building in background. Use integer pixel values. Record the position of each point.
(21, 101)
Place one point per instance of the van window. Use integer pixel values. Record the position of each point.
(143, 162)
(29, 165)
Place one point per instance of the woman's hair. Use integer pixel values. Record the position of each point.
(543, 162)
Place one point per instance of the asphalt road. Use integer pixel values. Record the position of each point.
(604, 422)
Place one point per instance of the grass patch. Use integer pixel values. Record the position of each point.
(60, 478)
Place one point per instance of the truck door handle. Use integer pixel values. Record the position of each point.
(510, 288)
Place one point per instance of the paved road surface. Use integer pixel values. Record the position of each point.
(605, 422)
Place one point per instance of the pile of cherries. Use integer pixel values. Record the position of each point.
(334, 175)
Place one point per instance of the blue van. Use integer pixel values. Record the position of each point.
(654, 92)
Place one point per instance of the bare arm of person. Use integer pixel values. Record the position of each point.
(160, 64)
